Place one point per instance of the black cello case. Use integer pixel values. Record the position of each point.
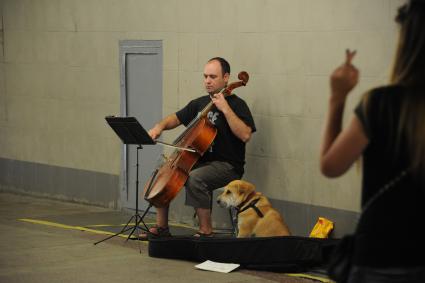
(284, 254)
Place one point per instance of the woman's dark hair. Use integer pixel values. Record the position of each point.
(409, 65)
(225, 66)
(409, 71)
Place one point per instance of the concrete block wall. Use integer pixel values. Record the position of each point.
(60, 76)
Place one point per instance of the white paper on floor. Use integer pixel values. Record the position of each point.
(217, 266)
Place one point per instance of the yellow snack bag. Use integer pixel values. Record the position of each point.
(322, 228)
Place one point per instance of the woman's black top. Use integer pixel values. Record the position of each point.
(390, 232)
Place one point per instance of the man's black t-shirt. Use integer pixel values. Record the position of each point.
(390, 233)
(226, 146)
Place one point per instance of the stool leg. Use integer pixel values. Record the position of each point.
(233, 221)
(211, 201)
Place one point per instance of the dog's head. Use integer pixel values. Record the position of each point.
(235, 193)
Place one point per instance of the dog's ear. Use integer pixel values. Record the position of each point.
(245, 188)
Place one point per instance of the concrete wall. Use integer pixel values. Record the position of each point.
(59, 76)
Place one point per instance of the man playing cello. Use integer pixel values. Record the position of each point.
(224, 160)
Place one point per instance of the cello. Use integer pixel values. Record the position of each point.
(167, 180)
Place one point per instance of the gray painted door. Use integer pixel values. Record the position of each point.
(141, 88)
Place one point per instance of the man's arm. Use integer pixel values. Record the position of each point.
(168, 123)
(238, 127)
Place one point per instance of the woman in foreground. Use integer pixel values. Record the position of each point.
(388, 132)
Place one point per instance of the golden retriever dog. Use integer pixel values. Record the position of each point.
(256, 216)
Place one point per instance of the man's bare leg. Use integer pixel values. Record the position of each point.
(204, 217)
(162, 217)
(161, 221)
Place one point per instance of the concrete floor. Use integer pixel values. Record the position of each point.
(45, 240)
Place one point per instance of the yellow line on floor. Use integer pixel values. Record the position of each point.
(132, 224)
(63, 226)
(116, 225)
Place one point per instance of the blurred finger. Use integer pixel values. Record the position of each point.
(349, 55)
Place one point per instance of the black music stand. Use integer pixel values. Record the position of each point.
(131, 132)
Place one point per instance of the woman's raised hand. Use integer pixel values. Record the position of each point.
(345, 77)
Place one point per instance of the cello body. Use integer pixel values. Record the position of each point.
(169, 179)
(172, 175)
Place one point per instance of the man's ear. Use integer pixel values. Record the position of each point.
(226, 77)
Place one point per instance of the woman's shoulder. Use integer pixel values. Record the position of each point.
(386, 93)
(387, 89)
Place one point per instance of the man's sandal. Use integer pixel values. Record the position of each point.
(155, 232)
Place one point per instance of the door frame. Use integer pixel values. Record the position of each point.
(128, 47)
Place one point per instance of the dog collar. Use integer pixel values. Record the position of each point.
(248, 198)
(252, 205)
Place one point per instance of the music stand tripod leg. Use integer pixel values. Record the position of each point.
(124, 229)
(140, 218)
(136, 216)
